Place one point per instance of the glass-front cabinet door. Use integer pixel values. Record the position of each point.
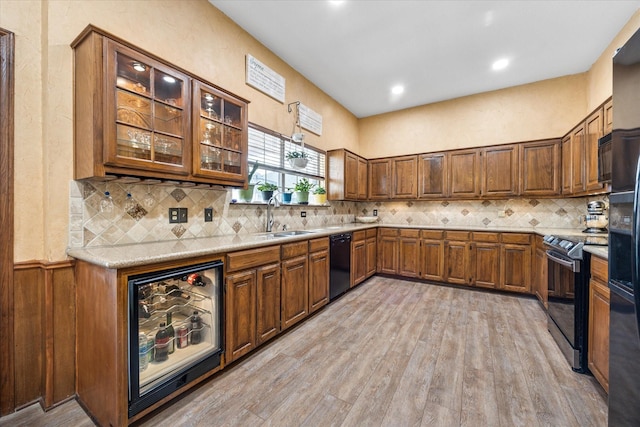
(147, 115)
(219, 135)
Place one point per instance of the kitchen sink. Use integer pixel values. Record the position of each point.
(291, 233)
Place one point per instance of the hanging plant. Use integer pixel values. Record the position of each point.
(297, 159)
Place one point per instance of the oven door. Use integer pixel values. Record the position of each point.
(562, 293)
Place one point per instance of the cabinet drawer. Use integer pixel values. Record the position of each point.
(486, 237)
(458, 235)
(600, 269)
(252, 258)
(291, 250)
(432, 234)
(388, 232)
(409, 233)
(372, 232)
(524, 239)
(318, 244)
(358, 235)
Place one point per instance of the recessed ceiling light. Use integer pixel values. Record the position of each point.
(168, 79)
(397, 89)
(139, 67)
(336, 2)
(500, 64)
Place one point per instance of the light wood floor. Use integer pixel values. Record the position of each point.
(391, 353)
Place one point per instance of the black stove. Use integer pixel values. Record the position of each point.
(572, 246)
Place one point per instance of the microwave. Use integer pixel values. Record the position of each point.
(604, 158)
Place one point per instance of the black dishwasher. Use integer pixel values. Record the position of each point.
(340, 276)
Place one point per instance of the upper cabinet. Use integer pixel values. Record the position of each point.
(540, 168)
(464, 173)
(432, 176)
(379, 179)
(347, 176)
(608, 116)
(593, 130)
(500, 171)
(136, 115)
(405, 177)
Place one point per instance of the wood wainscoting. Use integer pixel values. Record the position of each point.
(44, 333)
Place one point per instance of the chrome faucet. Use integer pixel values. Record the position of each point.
(270, 212)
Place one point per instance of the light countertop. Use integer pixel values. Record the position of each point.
(130, 255)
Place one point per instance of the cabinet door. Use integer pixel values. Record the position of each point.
(362, 178)
(464, 174)
(379, 179)
(432, 176)
(405, 177)
(351, 176)
(268, 302)
(220, 135)
(486, 264)
(598, 342)
(318, 280)
(516, 268)
(567, 165)
(358, 262)
(578, 161)
(432, 253)
(388, 255)
(457, 262)
(593, 132)
(409, 256)
(371, 252)
(540, 168)
(147, 117)
(294, 291)
(608, 117)
(500, 171)
(540, 276)
(240, 314)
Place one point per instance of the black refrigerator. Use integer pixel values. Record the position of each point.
(624, 239)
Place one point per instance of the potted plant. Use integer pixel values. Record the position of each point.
(286, 196)
(297, 159)
(267, 190)
(247, 195)
(319, 196)
(302, 189)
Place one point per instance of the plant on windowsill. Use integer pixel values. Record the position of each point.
(297, 159)
(302, 189)
(267, 190)
(319, 196)
(246, 196)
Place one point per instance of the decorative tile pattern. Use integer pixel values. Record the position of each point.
(137, 212)
(178, 230)
(534, 202)
(486, 221)
(178, 194)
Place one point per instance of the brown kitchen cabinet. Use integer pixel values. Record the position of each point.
(540, 273)
(371, 251)
(485, 260)
(464, 174)
(220, 136)
(379, 182)
(432, 176)
(133, 116)
(294, 292)
(540, 168)
(593, 131)
(347, 176)
(432, 255)
(388, 250)
(409, 253)
(318, 273)
(578, 159)
(598, 340)
(404, 172)
(567, 165)
(515, 268)
(358, 258)
(458, 248)
(500, 171)
(252, 299)
(608, 116)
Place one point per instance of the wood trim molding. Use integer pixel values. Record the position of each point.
(7, 374)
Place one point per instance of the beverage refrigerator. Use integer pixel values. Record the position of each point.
(175, 330)
(624, 239)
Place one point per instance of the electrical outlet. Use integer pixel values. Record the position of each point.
(208, 214)
(174, 215)
(375, 212)
(303, 214)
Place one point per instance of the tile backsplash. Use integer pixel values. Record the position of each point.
(145, 218)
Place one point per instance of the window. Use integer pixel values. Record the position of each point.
(269, 150)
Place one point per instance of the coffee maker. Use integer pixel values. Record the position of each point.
(595, 220)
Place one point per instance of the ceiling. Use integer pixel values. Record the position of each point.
(355, 51)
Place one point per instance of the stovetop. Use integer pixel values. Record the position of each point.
(572, 245)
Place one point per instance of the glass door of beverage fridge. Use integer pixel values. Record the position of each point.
(175, 330)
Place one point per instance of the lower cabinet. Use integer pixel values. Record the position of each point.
(485, 254)
(457, 254)
(409, 253)
(318, 273)
(432, 255)
(515, 270)
(540, 272)
(388, 250)
(358, 258)
(252, 299)
(294, 302)
(371, 251)
(598, 341)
